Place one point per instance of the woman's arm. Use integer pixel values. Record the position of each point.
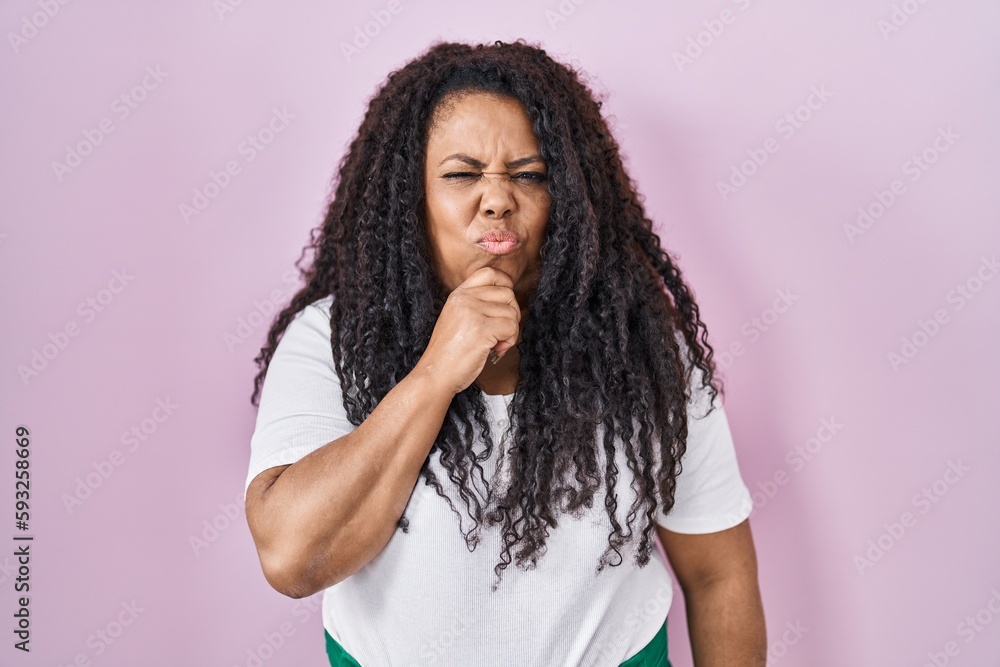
(718, 574)
(321, 519)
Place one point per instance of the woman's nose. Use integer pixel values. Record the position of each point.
(497, 199)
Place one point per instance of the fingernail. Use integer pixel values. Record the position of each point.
(494, 357)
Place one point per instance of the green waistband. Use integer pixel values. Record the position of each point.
(653, 654)
(338, 656)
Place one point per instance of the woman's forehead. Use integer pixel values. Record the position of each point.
(480, 128)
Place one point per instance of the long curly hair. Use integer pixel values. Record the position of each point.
(612, 337)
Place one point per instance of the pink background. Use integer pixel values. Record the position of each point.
(164, 335)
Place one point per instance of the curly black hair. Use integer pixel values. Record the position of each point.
(612, 337)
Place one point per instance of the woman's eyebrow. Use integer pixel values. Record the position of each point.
(473, 162)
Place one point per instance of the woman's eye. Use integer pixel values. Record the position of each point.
(531, 176)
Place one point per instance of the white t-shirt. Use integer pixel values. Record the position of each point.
(425, 599)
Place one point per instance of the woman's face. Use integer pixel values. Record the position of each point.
(484, 175)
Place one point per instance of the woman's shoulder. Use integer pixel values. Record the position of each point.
(315, 314)
(311, 325)
(322, 304)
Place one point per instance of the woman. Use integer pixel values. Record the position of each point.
(492, 358)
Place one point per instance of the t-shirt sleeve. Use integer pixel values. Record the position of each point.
(300, 407)
(710, 495)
